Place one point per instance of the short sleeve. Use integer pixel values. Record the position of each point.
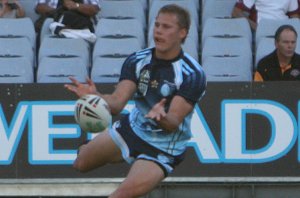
(193, 86)
(128, 71)
(293, 6)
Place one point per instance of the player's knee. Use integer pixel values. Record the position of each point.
(80, 165)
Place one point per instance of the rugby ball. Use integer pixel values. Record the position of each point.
(92, 113)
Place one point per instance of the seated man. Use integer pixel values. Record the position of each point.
(11, 9)
(255, 10)
(283, 63)
(52, 8)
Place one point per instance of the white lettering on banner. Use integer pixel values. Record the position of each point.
(203, 141)
(283, 130)
(10, 135)
(42, 131)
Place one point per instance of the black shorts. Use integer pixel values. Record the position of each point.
(133, 147)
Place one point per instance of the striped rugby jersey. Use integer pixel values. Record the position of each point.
(157, 79)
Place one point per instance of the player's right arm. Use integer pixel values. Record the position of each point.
(119, 98)
(116, 101)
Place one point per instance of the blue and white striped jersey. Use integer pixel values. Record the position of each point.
(157, 79)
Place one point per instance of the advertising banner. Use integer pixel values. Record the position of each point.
(239, 130)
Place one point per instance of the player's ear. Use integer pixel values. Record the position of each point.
(183, 33)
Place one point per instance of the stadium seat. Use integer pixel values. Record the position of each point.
(107, 69)
(144, 3)
(123, 9)
(15, 28)
(16, 70)
(196, 3)
(107, 47)
(227, 47)
(19, 47)
(191, 47)
(188, 4)
(45, 31)
(65, 47)
(229, 69)
(121, 28)
(268, 27)
(58, 70)
(265, 46)
(217, 9)
(29, 8)
(227, 28)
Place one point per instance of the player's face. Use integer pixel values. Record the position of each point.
(167, 36)
(286, 44)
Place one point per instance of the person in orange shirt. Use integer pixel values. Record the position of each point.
(283, 63)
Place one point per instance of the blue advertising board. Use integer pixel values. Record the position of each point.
(239, 130)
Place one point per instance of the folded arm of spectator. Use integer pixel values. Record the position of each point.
(86, 9)
(238, 13)
(44, 9)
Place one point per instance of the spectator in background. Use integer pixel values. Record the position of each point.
(11, 9)
(255, 10)
(50, 8)
(283, 63)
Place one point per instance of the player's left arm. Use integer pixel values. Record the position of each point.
(169, 121)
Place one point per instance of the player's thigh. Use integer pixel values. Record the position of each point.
(99, 151)
(143, 177)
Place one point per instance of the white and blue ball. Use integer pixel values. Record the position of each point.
(92, 113)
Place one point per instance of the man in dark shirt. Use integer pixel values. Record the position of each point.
(283, 63)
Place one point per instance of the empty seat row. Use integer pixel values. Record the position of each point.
(220, 9)
(229, 50)
(16, 70)
(220, 43)
(216, 51)
(104, 60)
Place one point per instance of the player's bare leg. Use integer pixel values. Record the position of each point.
(98, 152)
(143, 177)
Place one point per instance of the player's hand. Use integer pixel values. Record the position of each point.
(157, 112)
(81, 89)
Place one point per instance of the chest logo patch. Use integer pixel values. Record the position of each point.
(143, 82)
